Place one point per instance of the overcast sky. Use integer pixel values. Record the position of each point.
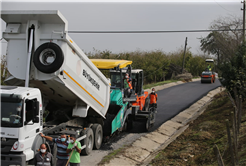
(161, 15)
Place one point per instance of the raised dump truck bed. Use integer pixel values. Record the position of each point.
(58, 67)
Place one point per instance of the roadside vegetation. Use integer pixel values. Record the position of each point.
(157, 65)
(196, 145)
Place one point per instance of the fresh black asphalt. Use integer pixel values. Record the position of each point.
(173, 100)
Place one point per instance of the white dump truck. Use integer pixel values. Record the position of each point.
(48, 71)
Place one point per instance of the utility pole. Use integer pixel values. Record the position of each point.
(184, 54)
(243, 20)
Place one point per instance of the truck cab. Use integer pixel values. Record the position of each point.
(21, 121)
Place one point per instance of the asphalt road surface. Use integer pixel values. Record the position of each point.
(171, 101)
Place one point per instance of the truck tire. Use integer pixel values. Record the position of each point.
(48, 147)
(37, 142)
(35, 147)
(88, 141)
(98, 136)
(48, 58)
(54, 153)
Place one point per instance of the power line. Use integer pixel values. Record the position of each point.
(223, 7)
(154, 31)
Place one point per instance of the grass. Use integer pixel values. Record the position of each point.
(195, 145)
(112, 155)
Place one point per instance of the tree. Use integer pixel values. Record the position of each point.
(210, 44)
(234, 72)
(224, 38)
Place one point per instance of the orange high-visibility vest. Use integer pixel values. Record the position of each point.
(129, 84)
(153, 98)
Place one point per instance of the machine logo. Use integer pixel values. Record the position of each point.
(90, 79)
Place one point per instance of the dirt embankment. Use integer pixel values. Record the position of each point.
(195, 145)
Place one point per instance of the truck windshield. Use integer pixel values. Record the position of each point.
(11, 114)
(115, 80)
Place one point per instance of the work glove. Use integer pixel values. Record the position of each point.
(74, 146)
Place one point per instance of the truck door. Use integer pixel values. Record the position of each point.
(32, 122)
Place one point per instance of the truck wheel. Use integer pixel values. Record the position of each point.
(54, 153)
(88, 141)
(35, 147)
(48, 58)
(48, 147)
(37, 142)
(98, 136)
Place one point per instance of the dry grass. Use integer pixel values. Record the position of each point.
(195, 145)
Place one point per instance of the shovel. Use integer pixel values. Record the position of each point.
(69, 157)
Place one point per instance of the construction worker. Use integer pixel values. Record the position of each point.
(74, 148)
(129, 82)
(209, 67)
(43, 158)
(153, 98)
(62, 144)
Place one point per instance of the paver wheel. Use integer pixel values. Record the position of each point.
(147, 125)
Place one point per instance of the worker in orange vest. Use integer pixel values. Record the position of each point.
(153, 98)
(129, 82)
